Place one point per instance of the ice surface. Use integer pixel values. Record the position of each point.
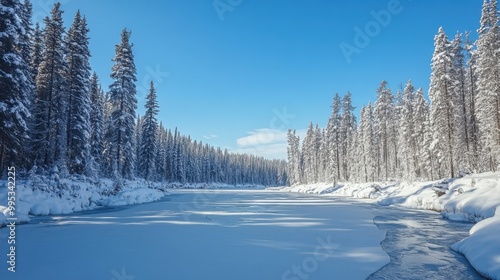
(205, 234)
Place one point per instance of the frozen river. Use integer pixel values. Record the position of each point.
(240, 234)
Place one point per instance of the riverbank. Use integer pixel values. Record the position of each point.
(473, 198)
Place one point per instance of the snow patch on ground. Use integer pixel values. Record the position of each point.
(472, 198)
(482, 247)
(43, 196)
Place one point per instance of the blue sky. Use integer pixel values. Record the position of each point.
(239, 75)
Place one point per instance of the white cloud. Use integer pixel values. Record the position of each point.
(262, 136)
(265, 142)
(211, 136)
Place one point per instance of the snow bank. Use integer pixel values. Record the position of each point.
(212, 186)
(43, 196)
(473, 198)
(132, 197)
(482, 248)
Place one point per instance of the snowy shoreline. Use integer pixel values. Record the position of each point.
(42, 196)
(473, 198)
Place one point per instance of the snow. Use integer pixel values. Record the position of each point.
(205, 234)
(472, 198)
(43, 196)
(482, 248)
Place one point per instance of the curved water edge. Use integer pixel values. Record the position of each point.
(418, 243)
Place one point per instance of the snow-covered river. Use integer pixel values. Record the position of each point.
(239, 234)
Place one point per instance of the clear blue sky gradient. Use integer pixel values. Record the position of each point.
(229, 75)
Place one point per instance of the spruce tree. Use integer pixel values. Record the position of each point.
(36, 50)
(383, 113)
(149, 132)
(488, 86)
(78, 95)
(97, 123)
(124, 103)
(49, 113)
(15, 85)
(347, 131)
(442, 109)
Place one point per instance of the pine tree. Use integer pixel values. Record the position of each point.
(293, 153)
(96, 123)
(333, 140)
(161, 153)
(407, 142)
(347, 131)
(124, 103)
(461, 104)
(36, 50)
(365, 137)
(441, 95)
(383, 122)
(488, 85)
(420, 135)
(49, 113)
(148, 139)
(471, 81)
(78, 97)
(15, 84)
(25, 12)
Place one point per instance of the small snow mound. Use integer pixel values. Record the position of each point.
(482, 248)
(132, 197)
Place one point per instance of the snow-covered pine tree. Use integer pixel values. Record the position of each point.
(347, 130)
(161, 153)
(333, 140)
(366, 147)
(461, 105)
(407, 142)
(422, 140)
(15, 84)
(383, 114)
(138, 141)
(318, 135)
(442, 109)
(293, 153)
(49, 111)
(96, 123)
(308, 155)
(25, 13)
(488, 85)
(124, 103)
(148, 139)
(324, 156)
(470, 85)
(78, 95)
(36, 50)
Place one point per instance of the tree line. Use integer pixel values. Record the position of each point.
(402, 135)
(55, 116)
